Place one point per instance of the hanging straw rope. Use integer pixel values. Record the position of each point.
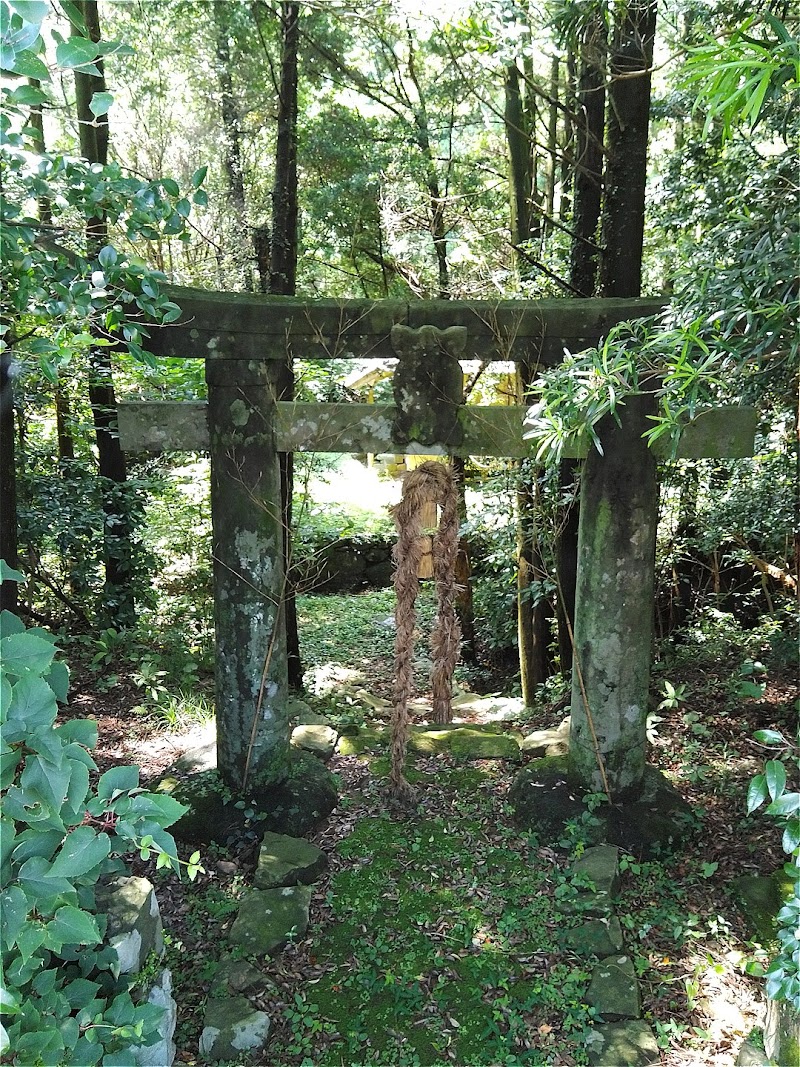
(429, 483)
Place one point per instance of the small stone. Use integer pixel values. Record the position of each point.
(232, 1026)
(320, 740)
(613, 990)
(227, 867)
(750, 1055)
(626, 1044)
(269, 918)
(162, 1052)
(236, 976)
(539, 742)
(600, 867)
(284, 860)
(597, 937)
(134, 927)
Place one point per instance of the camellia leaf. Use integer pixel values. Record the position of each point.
(786, 804)
(32, 11)
(82, 851)
(775, 774)
(756, 793)
(769, 737)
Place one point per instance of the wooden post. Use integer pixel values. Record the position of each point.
(614, 605)
(250, 662)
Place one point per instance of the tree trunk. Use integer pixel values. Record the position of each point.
(552, 141)
(587, 185)
(8, 482)
(520, 171)
(627, 138)
(532, 630)
(283, 282)
(464, 606)
(232, 132)
(584, 264)
(119, 604)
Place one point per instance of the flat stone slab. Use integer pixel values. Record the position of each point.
(599, 866)
(315, 738)
(614, 991)
(269, 918)
(232, 1027)
(477, 741)
(234, 977)
(626, 1044)
(546, 742)
(286, 861)
(596, 937)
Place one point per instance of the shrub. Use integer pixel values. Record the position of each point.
(65, 1002)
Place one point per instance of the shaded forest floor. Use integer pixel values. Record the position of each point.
(439, 938)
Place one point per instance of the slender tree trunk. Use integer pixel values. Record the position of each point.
(627, 140)
(8, 482)
(232, 132)
(464, 605)
(589, 133)
(117, 535)
(552, 141)
(520, 171)
(282, 281)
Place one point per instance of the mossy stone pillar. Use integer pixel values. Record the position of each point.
(614, 604)
(250, 660)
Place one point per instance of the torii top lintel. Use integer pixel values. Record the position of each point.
(247, 326)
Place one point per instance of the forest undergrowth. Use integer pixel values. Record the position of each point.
(440, 936)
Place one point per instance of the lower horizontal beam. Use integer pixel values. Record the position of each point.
(164, 426)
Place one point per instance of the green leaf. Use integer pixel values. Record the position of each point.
(100, 103)
(199, 177)
(32, 702)
(44, 779)
(33, 11)
(24, 653)
(108, 254)
(29, 66)
(31, 937)
(787, 804)
(10, 624)
(13, 916)
(27, 96)
(74, 927)
(38, 883)
(82, 851)
(82, 731)
(8, 574)
(770, 737)
(791, 836)
(775, 774)
(58, 680)
(756, 793)
(169, 185)
(76, 52)
(80, 992)
(157, 806)
(117, 780)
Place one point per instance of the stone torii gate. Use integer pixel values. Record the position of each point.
(244, 339)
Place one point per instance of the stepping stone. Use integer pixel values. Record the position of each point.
(597, 937)
(269, 918)
(627, 1044)
(236, 976)
(286, 861)
(232, 1026)
(600, 866)
(315, 738)
(614, 991)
